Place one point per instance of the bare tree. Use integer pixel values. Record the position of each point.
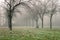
(10, 7)
(52, 10)
(43, 9)
(35, 12)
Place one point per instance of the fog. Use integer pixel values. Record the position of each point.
(25, 19)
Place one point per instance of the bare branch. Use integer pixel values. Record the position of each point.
(17, 5)
(8, 4)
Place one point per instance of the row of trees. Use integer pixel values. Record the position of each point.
(46, 7)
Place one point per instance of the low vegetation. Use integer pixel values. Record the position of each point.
(29, 34)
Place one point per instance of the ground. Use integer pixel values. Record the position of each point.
(29, 34)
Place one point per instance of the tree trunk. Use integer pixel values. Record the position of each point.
(10, 23)
(37, 26)
(42, 22)
(51, 21)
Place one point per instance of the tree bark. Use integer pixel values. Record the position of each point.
(51, 21)
(10, 23)
(37, 26)
(42, 22)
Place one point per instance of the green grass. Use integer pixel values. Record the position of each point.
(29, 34)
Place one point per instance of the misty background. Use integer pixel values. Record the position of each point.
(25, 19)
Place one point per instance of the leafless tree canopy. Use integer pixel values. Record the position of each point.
(36, 8)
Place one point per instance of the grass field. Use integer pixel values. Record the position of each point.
(29, 34)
